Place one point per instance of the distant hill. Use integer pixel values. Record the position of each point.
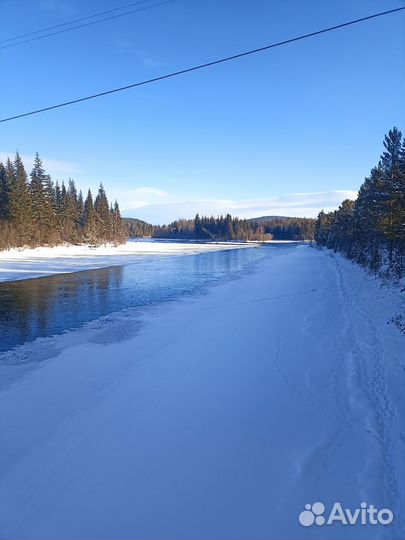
(137, 227)
(264, 219)
(284, 227)
(135, 221)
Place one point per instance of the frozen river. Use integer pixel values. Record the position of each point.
(42, 307)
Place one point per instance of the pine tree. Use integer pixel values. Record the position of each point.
(393, 224)
(341, 231)
(371, 230)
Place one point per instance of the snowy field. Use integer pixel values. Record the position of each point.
(30, 263)
(221, 418)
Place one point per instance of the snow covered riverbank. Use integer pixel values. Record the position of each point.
(222, 418)
(44, 261)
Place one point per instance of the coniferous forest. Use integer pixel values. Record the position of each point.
(227, 228)
(35, 211)
(371, 229)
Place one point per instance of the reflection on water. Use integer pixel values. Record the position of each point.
(45, 306)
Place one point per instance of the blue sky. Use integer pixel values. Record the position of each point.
(286, 132)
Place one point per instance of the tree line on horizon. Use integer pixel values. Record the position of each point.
(371, 229)
(226, 228)
(35, 211)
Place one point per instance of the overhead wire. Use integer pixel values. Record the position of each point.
(202, 66)
(84, 25)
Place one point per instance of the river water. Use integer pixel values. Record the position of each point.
(42, 307)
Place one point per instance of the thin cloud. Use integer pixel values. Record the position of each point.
(142, 56)
(143, 197)
(295, 205)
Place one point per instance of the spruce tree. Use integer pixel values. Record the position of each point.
(43, 211)
(90, 220)
(21, 204)
(4, 193)
(80, 209)
(103, 214)
(72, 213)
(197, 226)
(229, 232)
(39, 212)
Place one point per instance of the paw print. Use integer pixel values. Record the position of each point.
(312, 514)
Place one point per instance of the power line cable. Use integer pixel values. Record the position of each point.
(72, 21)
(81, 25)
(202, 66)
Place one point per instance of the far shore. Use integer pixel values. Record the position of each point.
(26, 263)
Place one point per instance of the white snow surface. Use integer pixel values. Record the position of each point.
(221, 418)
(27, 263)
